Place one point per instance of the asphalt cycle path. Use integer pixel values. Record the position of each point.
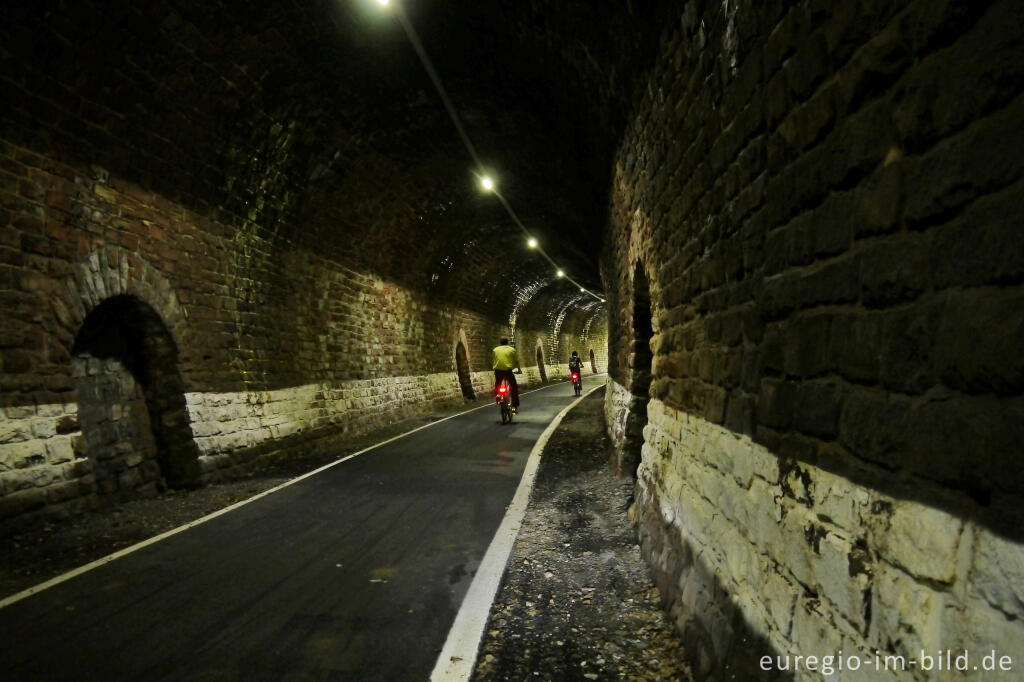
(353, 573)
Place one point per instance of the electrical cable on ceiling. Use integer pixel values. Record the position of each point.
(486, 182)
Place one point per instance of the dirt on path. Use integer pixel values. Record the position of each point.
(577, 601)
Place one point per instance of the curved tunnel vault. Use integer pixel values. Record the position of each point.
(823, 197)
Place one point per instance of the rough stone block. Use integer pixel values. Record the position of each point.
(806, 345)
(22, 454)
(975, 162)
(838, 501)
(817, 409)
(974, 76)
(906, 347)
(739, 413)
(60, 450)
(779, 596)
(813, 629)
(776, 402)
(906, 615)
(997, 573)
(923, 541)
(989, 361)
(984, 631)
(968, 440)
(14, 430)
(845, 589)
(871, 424)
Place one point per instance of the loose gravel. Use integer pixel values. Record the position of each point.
(577, 601)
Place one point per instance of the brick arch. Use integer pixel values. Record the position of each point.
(640, 359)
(643, 254)
(124, 325)
(459, 337)
(463, 370)
(112, 271)
(641, 314)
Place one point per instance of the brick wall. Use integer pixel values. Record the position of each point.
(825, 200)
(269, 348)
(285, 266)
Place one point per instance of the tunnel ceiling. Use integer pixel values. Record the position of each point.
(316, 125)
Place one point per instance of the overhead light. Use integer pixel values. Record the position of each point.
(487, 183)
(560, 274)
(532, 243)
(383, 3)
(582, 290)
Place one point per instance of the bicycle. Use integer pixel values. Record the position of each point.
(504, 400)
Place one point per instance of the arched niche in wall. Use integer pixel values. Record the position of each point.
(462, 366)
(593, 362)
(640, 375)
(131, 400)
(540, 362)
(124, 325)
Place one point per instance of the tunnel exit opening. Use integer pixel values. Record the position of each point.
(131, 401)
(640, 378)
(462, 367)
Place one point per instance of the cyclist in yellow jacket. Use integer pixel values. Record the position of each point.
(504, 359)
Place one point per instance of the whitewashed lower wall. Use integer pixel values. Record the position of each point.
(40, 467)
(223, 423)
(841, 568)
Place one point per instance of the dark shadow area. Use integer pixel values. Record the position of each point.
(130, 332)
(640, 358)
(593, 362)
(1001, 512)
(540, 364)
(219, 107)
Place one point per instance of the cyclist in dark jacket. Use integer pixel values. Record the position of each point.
(576, 364)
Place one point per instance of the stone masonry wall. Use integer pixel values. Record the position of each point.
(116, 437)
(271, 351)
(284, 228)
(837, 568)
(825, 198)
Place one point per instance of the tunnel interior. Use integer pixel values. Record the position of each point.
(815, 205)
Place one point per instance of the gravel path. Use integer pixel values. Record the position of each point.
(576, 601)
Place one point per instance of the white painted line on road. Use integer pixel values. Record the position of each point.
(35, 589)
(458, 656)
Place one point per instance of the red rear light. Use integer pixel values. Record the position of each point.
(574, 377)
(501, 390)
